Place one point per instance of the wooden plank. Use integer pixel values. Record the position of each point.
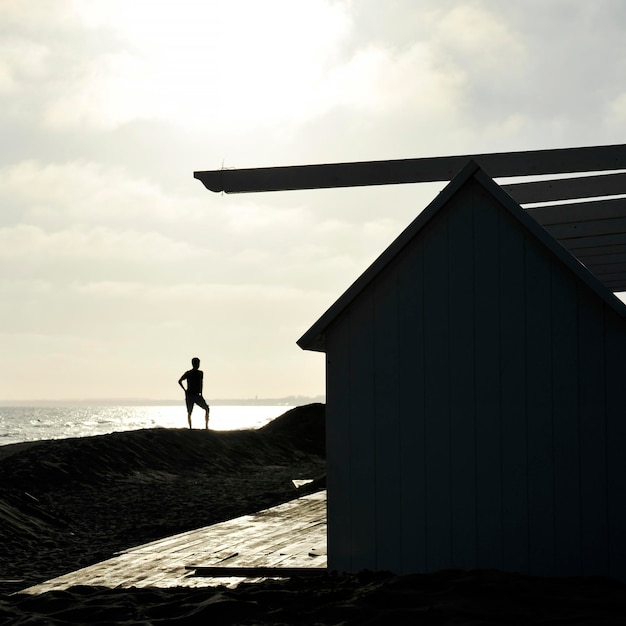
(437, 394)
(618, 258)
(267, 541)
(567, 188)
(609, 278)
(264, 572)
(387, 423)
(411, 382)
(590, 252)
(297, 540)
(578, 211)
(391, 172)
(487, 380)
(606, 275)
(462, 400)
(296, 553)
(617, 286)
(272, 539)
(188, 538)
(601, 265)
(589, 228)
(596, 241)
(513, 397)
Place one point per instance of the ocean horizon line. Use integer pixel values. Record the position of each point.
(256, 401)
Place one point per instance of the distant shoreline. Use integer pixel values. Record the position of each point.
(284, 401)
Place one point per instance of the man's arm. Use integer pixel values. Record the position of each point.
(180, 381)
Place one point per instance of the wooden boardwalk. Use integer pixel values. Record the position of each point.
(283, 540)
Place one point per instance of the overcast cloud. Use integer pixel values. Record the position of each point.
(116, 266)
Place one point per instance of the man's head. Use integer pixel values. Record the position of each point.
(195, 362)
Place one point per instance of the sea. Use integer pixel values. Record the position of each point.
(36, 423)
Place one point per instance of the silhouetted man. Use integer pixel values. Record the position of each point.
(193, 393)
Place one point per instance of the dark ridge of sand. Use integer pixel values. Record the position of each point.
(302, 425)
(66, 504)
(296, 434)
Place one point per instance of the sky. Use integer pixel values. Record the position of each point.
(117, 267)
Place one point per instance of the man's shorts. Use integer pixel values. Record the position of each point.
(195, 398)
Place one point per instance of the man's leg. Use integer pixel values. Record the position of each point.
(205, 405)
(189, 404)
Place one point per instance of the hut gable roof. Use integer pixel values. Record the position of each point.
(314, 338)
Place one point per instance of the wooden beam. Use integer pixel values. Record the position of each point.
(366, 173)
(616, 286)
(609, 272)
(578, 211)
(613, 282)
(600, 251)
(605, 259)
(599, 241)
(255, 572)
(589, 228)
(567, 188)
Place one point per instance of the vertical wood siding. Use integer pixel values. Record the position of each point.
(488, 437)
(566, 426)
(592, 406)
(475, 414)
(615, 369)
(539, 405)
(462, 398)
(411, 413)
(437, 398)
(512, 339)
(338, 448)
(387, 432)
(362, 421)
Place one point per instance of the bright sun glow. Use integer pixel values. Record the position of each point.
(207, 64)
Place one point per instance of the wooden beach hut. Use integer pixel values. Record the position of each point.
(475, 413)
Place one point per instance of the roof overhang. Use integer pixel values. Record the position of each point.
(582, 203)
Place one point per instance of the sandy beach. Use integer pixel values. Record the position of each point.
(65, 504)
